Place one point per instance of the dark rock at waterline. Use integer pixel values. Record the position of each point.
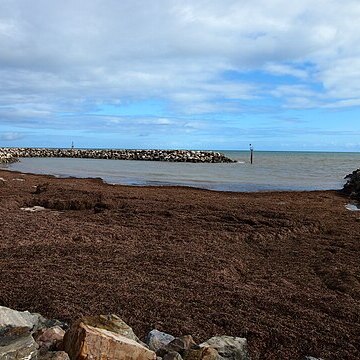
(352, 186)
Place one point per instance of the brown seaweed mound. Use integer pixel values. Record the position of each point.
(281, 269)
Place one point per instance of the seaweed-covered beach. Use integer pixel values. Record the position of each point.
(279, 268)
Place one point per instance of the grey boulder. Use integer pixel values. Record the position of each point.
(23, 348)
(228, 347)
(157, 339)
(15, 324)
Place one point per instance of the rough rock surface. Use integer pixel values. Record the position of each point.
(172, 355)
(50, 338)
(180, 345)
(157, 339)
(204, 353)
(111, 323)
(56, 355)
(229, 347)
(15, 324)
(23, 348)
(87, 342)
(18, 331)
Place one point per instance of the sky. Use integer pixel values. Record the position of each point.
(216, 74)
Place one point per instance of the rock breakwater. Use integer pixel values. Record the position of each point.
(8, 155)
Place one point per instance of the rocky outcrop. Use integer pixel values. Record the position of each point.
(8, 155)
(352, 186)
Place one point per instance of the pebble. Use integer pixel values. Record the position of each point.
(33, 209)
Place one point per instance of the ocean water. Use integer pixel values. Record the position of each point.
(270, 171)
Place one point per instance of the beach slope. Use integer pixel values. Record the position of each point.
(281, 269)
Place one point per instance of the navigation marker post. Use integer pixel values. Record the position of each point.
(251, 153)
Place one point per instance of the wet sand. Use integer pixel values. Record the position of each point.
(279, 268)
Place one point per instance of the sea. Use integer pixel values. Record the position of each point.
(270, 171)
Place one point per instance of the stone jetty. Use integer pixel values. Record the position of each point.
(8, 155)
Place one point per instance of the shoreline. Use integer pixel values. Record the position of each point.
(278, 268)
(190, 187)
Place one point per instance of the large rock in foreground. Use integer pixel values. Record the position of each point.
(97, 341)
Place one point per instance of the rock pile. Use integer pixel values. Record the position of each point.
(30, 336)
(27, 336)
(352, 186)
(149, 155)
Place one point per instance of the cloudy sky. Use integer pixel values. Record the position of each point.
(215, 74)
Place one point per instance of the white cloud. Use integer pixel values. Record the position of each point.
(69, 56)
(342, 78)
(11, 136)
(283, 69)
